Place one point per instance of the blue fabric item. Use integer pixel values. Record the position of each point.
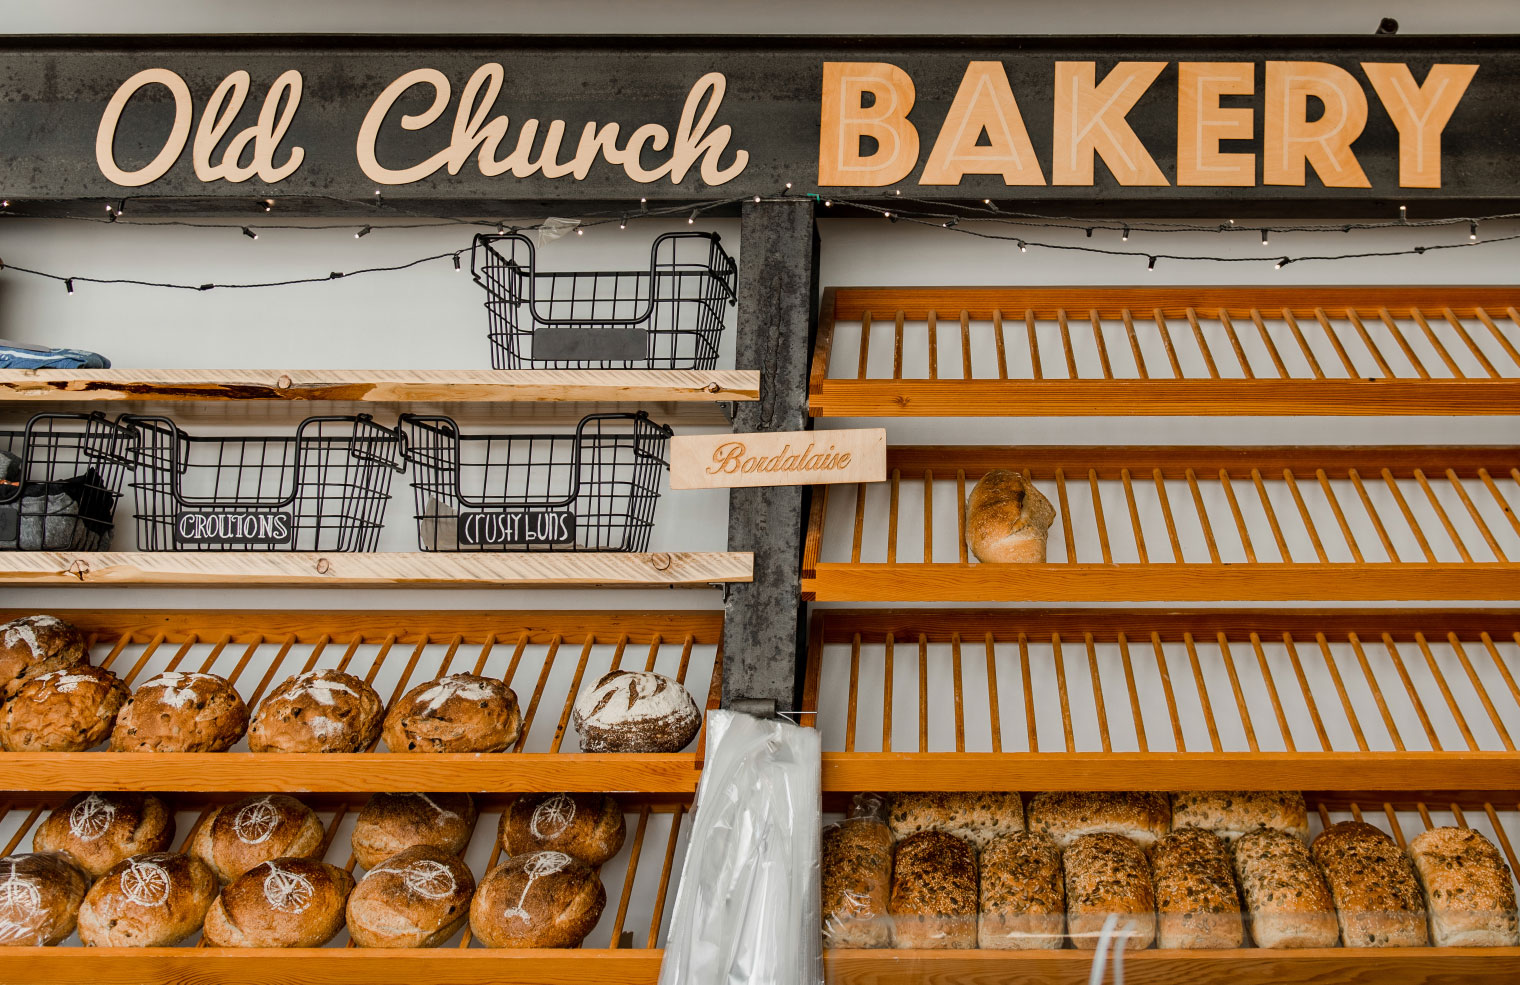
(29, 357)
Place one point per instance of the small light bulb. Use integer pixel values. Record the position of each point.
(110, 208)
(1151, 264)
(986, 201)
(1023, 248)
(457, 264)
(623, 224)
(1280, 264)
(1265, 239)
(828, 203)
(1232, 222)
(897, 191)
(580, 232)
(691, 219)
(5, 204)
(1089, 232)
(1403, 213)
(250, 233)
(1472, 231)
(788, 184)
(643, 200)
(69, 283)
(501, 230)
(757, 199)
(268, 205)
(362, 233)
(1124, 236)
(887, 215)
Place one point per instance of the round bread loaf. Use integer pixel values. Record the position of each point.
(153, 900)
(241, 835)
(98, 830)
(459, 713)
(585, 826)
(393, 822)
(68, 710)
(636, 711)
(40, 895)
(1007, 519)
(181, 712)
(34, 645)
(318, 711)
(416, 898)
(542, 899)
(284, 902)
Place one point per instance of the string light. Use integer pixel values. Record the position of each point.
(1403, 213)
(1124, 237)
(1281, 263)
(1150, 263)
(828, 203)
(579, 231)
(69, 285)
(362, 233)
(691, 219)
(1472, 231)
(457, 264)
(1265, 239)
(268, 205)
(250, 233)
(1023, 247)
(623, 223)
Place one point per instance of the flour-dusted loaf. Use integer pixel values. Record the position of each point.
(251, 831)
(1065, 816)
(1023, 894)
(1197, 904)
(1468, 888)
(856, 877)
(98, 830)
(392, 822)
(40, 895)
(934, 892)
(586, 826)
(1231, 813)
(284, 902)
(1286, 898)
(542, 899)
(68, 710)
(419, 897)
(636, 711)
(153, 900)
(36, 645)
(458, 713)
(1007, 519)
(1377, 895)
(976, 817)
(181, 712)
(318, 711)
(1108, 874)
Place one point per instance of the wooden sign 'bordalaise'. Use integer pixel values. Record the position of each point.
(777, 458)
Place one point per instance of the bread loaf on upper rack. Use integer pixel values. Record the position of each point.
(70, 710)
(1007, 519)
(35, 645)
(179, 711)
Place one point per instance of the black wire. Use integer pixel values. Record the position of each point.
(335, 275)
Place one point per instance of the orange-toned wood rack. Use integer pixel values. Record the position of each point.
(547, 658)
(1185, 524)
(624, 948)
(1035, 351)
(1097, 699)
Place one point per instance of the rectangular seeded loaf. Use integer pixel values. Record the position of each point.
(934, 888)
(1377, 896)
(1065, 816)
(1196, 902)
(1468, 887)
(856, 880)
(976, 817)
(1108, 873)
(1287, 900)
(1231, 813)
(1023, 895)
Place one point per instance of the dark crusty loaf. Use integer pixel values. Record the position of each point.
(542, 899)
(586, 826)
(1023, 894)
(1469, 889)
(284, 902)
(1286, 898)
(98, 830)
(392, 822)
(856, 882)
(318, 711)
(68, 710)
(1231, 813)
(1065, 816)
(976, 817)
(241, 835)
(40, 895)
(459, 713)
(417, 898)
(1007, 519)
(147, 901)
(636, 711)
(35, 645)
(1377, 895)
(1197, 905)
(1108, 874)
(934, 885)
(181, 712)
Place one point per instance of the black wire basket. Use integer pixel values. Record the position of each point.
(594, 490)
(323, 488)
(60, 478)
(670, 316)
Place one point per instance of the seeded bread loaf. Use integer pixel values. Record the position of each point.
(1286, 898)
(976, 817)
(636, 711)
(1231, 813)
(1469, 889)
(934, 892)
(393, 822)
(69, 710)
(542, 899)
(1065, 816)
(585, 826)
(35, 645)
(1197, 905)
(284, 902)
(98, 830)
(318, 711)
(459, 713)
(181, 712)
(1007, 519)
(856, 878)
(154, 900)
(416, 898)
(1023, 894)
(1108, 874)
(40, 895)
(254, 830)
(1377, 895)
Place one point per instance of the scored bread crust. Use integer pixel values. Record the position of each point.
(153, 900)
(542, 899)
(181, 712)
(318, 711)
(458, 713)
(1288, 903)
(41, 903)
(392, 822)
(285, 902)
(1197, 905)
(69, 710)
(35, 645)
(1108, 874)
(976, 817)
(934, 892)
(1023, 894)
(856, 883)
(1376, 892)
(416, 898)
(236, 837)
(636, 711)
(1231, 813)
(1067, 815)
(1468, 888)
(1007, 519)
(98, 830)
(587, 826)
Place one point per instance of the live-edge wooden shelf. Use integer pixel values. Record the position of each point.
(984, 352)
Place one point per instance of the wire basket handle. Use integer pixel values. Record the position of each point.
(98, 431)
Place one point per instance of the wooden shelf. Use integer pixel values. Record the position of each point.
(1078, 351)
(398, 569)
(1095, 699)
(1184, 524)
(547, 658)
(640, 884)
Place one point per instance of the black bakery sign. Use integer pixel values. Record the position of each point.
(1050, 119)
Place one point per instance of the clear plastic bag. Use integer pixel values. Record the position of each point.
(857, 876)
(746, 911)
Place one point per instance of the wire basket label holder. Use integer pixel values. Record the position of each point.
(516, 528)
(60, 478)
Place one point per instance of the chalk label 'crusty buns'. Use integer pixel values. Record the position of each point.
(1023, 894)
(36, 645)
(856, 880)
(285, 902)
(1286, 897)
(98, 830)
(1065, 816)
(147, 901)
(1197, 905)
(460, 713)
(1231, 813)
(543, 899)
(393, 822)
(318, 711)
(254, 830)
(1468, 887)
(934, 885)
(68, 710)
(1108, 874)
(586, 826)
(1377, 896)
(1007, 519)
(636, 711)
(417, 898)
(40, 895)
(181, 712)
(976, 817)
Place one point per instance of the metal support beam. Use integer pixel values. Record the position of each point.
(763, 630)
